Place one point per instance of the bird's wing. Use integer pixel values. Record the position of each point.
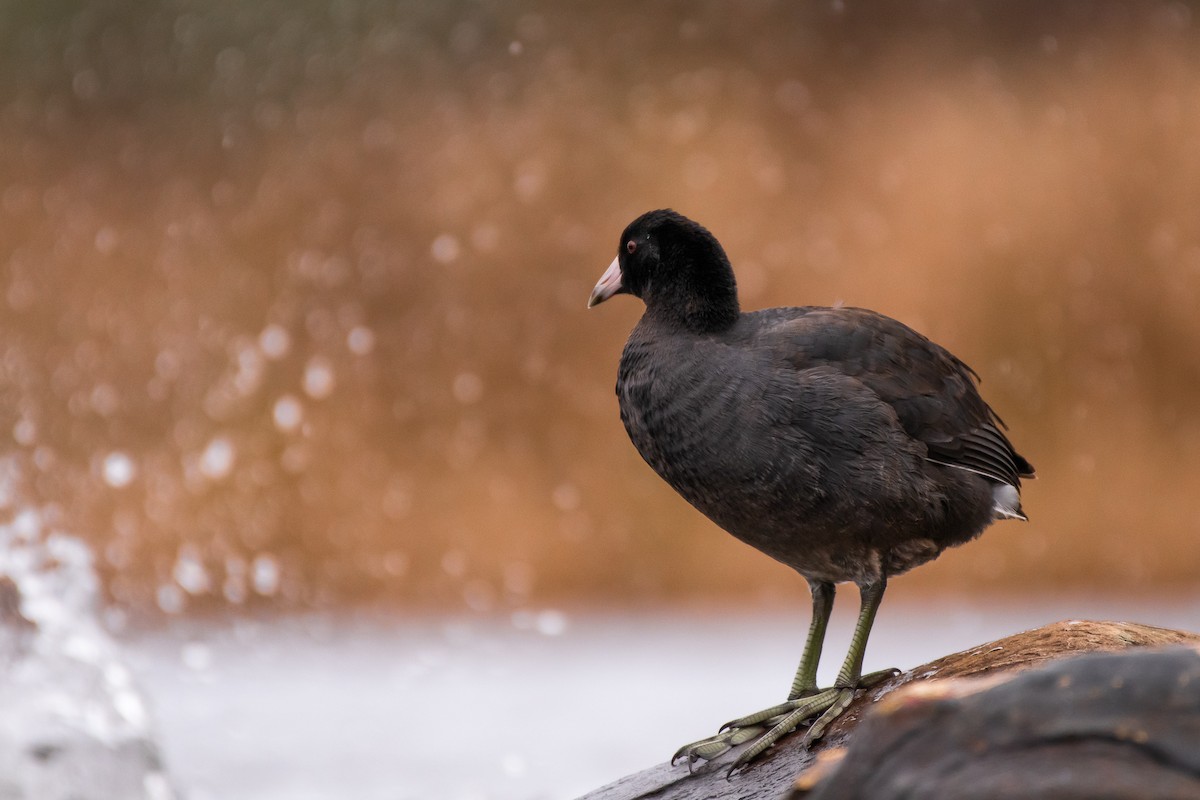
(933, 393)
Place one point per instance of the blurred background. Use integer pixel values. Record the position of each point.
(292, 293)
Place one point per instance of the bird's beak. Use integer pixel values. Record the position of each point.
(609, 284)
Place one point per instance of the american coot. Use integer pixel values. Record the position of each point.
(838, 441)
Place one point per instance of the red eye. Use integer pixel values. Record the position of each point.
(630, 246)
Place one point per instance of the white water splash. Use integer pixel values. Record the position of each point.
(74, 724)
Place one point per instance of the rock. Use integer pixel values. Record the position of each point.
(73, 726)
(1112, 725)
(775, 775)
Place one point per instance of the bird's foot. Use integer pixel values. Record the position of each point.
(768, 726)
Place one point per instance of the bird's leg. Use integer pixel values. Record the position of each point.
(805, 682)
(751, 726)
(828, 705)
(871, 595)
(850, 678)
(805, 702)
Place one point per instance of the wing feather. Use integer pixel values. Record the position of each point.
(934, 394)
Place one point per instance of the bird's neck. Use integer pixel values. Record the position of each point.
(696, 313)
(709, 305)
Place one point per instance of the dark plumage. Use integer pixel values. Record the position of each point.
(836, 440)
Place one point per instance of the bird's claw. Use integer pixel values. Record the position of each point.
(763, 717)
(873, 679)
(715, 746)
(765, 728)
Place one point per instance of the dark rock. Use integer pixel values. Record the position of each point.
(1104, 725)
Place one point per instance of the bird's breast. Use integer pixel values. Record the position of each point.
(700, 423)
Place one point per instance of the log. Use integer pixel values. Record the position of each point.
(925, 697)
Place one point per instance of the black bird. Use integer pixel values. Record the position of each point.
(838, 441)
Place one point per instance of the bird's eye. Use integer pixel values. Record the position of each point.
(630, 246)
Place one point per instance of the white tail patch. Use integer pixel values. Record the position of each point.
(1006, 498)
(1007, 502)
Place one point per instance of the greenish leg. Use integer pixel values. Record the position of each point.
(805, 681)
(850, 677)
(851, 671)
(806, 701)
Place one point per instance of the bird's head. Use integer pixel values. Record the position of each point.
(677, 268)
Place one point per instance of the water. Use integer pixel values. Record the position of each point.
(74, 723)
(535, 707)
